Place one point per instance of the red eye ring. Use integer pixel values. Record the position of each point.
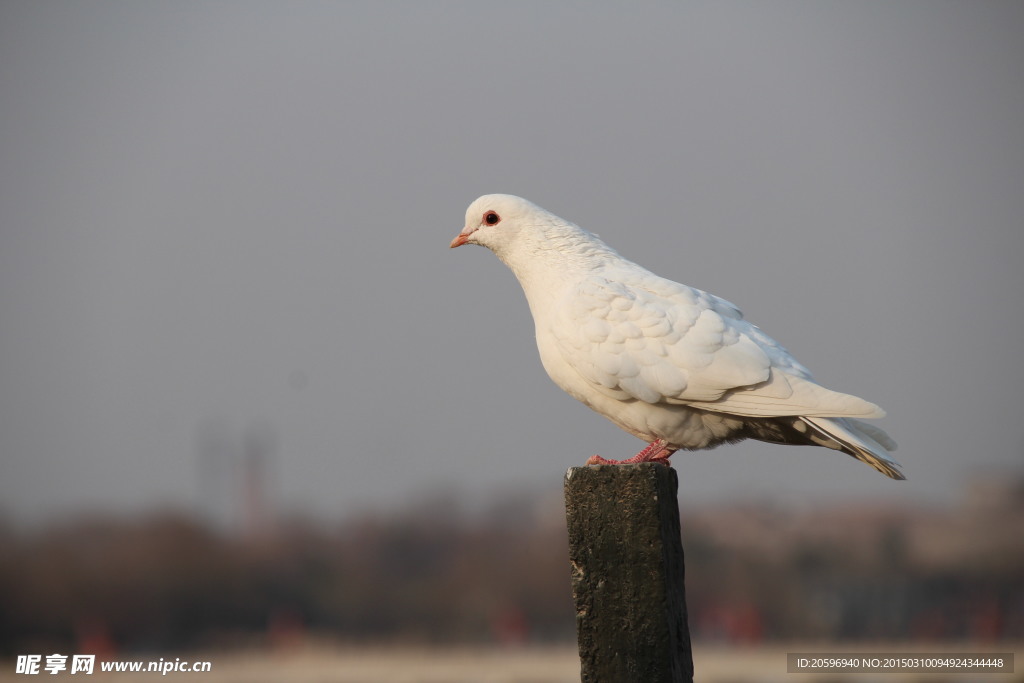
(492, 218)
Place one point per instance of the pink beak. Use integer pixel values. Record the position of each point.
(460, 239)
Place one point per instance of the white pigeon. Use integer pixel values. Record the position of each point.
(670, 364)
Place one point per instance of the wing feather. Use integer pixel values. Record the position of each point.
(658, 341)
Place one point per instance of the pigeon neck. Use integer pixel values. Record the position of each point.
(545, 262)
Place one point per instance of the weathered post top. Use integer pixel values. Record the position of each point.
(626, 557)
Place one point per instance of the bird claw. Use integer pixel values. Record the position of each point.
(657, 452)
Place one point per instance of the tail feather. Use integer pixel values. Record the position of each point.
(865, 442)
(874, 432)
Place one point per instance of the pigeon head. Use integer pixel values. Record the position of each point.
(525, 236)
(496, 221)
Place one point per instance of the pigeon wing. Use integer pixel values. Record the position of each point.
(658, 341)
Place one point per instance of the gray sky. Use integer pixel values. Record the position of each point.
(220, 219)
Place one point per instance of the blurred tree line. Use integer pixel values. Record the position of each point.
(433, 574)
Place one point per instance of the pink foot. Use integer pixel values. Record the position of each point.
(657, 451)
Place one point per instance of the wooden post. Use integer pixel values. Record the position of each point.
(626, 557)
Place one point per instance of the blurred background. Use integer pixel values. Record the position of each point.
(250, 399)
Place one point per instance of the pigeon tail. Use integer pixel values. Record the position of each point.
(865, 442)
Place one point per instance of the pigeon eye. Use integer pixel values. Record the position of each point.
(491, 218)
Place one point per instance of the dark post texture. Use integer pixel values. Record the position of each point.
(626, 557)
